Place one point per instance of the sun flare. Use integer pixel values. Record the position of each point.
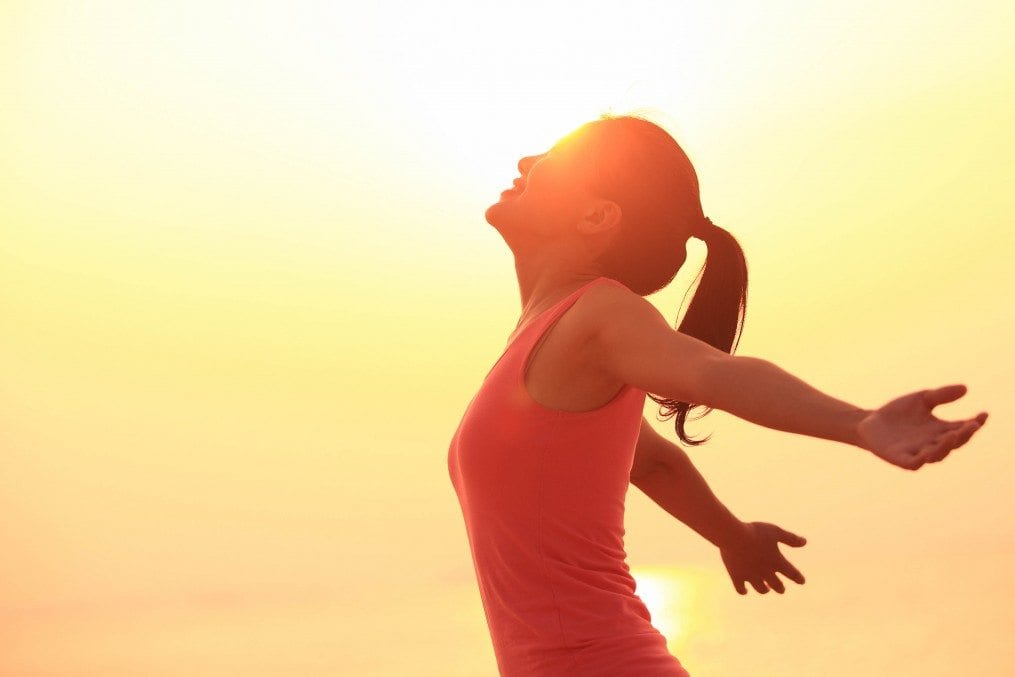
(672, 597)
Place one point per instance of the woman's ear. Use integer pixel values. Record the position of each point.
(601, 216)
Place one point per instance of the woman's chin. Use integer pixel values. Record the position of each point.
(499, 211)
(492, 212)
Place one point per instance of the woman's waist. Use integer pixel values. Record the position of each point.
(565, 610)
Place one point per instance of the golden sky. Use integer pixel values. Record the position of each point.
(247, 290)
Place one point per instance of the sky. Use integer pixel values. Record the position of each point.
(247, 290)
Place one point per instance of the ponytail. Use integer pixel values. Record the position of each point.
(641, 167)
(716, 313)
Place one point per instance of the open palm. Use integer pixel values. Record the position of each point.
(755, 558)
(906, 433)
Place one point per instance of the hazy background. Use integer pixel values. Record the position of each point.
(246, 292)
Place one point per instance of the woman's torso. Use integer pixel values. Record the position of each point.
(542, 492)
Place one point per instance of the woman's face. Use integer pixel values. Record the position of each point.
(549, 196)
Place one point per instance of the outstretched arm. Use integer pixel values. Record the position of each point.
(749, 550)
(635, 344)
(664, 472)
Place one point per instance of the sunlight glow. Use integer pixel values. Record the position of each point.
(247, 290)
(670, 595)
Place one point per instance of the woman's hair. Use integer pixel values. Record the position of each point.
(640, 166)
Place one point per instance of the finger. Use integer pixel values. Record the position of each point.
(937, 453)
(774, 583)
(740, 587)
(980, 418)
(932, 449)
(936, 396)
(915, 463)
(949, 441)
(908, 459)
(790, 572)
(940, 449)
(953, 425)
(958, 438)
(790, 538)
(759, 585)
(963, 434)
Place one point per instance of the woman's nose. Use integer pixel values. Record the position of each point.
(526, 162)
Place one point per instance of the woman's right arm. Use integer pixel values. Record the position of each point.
(634, 343)
(761, 392)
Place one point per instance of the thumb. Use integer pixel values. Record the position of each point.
(791, 538)
(936, 396)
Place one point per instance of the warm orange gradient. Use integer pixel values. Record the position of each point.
(246, 292)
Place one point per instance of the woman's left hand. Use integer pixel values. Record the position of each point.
(906, 433)
(755, 557)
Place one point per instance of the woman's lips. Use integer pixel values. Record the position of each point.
(518, 187)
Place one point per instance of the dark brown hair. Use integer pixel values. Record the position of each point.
(639, 165)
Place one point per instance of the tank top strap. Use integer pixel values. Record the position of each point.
(528, 342)
(525, 337)
(548, 317)
(533, 333)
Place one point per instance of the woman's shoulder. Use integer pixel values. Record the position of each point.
(613, 293)
(609, 302)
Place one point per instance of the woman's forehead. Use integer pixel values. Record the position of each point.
(592, 141)
(576, 138)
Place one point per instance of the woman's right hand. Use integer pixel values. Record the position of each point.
(754, 557)
(906, 433)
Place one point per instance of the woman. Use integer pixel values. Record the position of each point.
(545, 451)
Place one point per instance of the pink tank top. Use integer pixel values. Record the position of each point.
(542, 493)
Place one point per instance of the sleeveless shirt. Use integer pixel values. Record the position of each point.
(542, 494)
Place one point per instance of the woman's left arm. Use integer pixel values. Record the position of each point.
(749, 550)
(677, 487)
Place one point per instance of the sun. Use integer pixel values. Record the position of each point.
(673, 597)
